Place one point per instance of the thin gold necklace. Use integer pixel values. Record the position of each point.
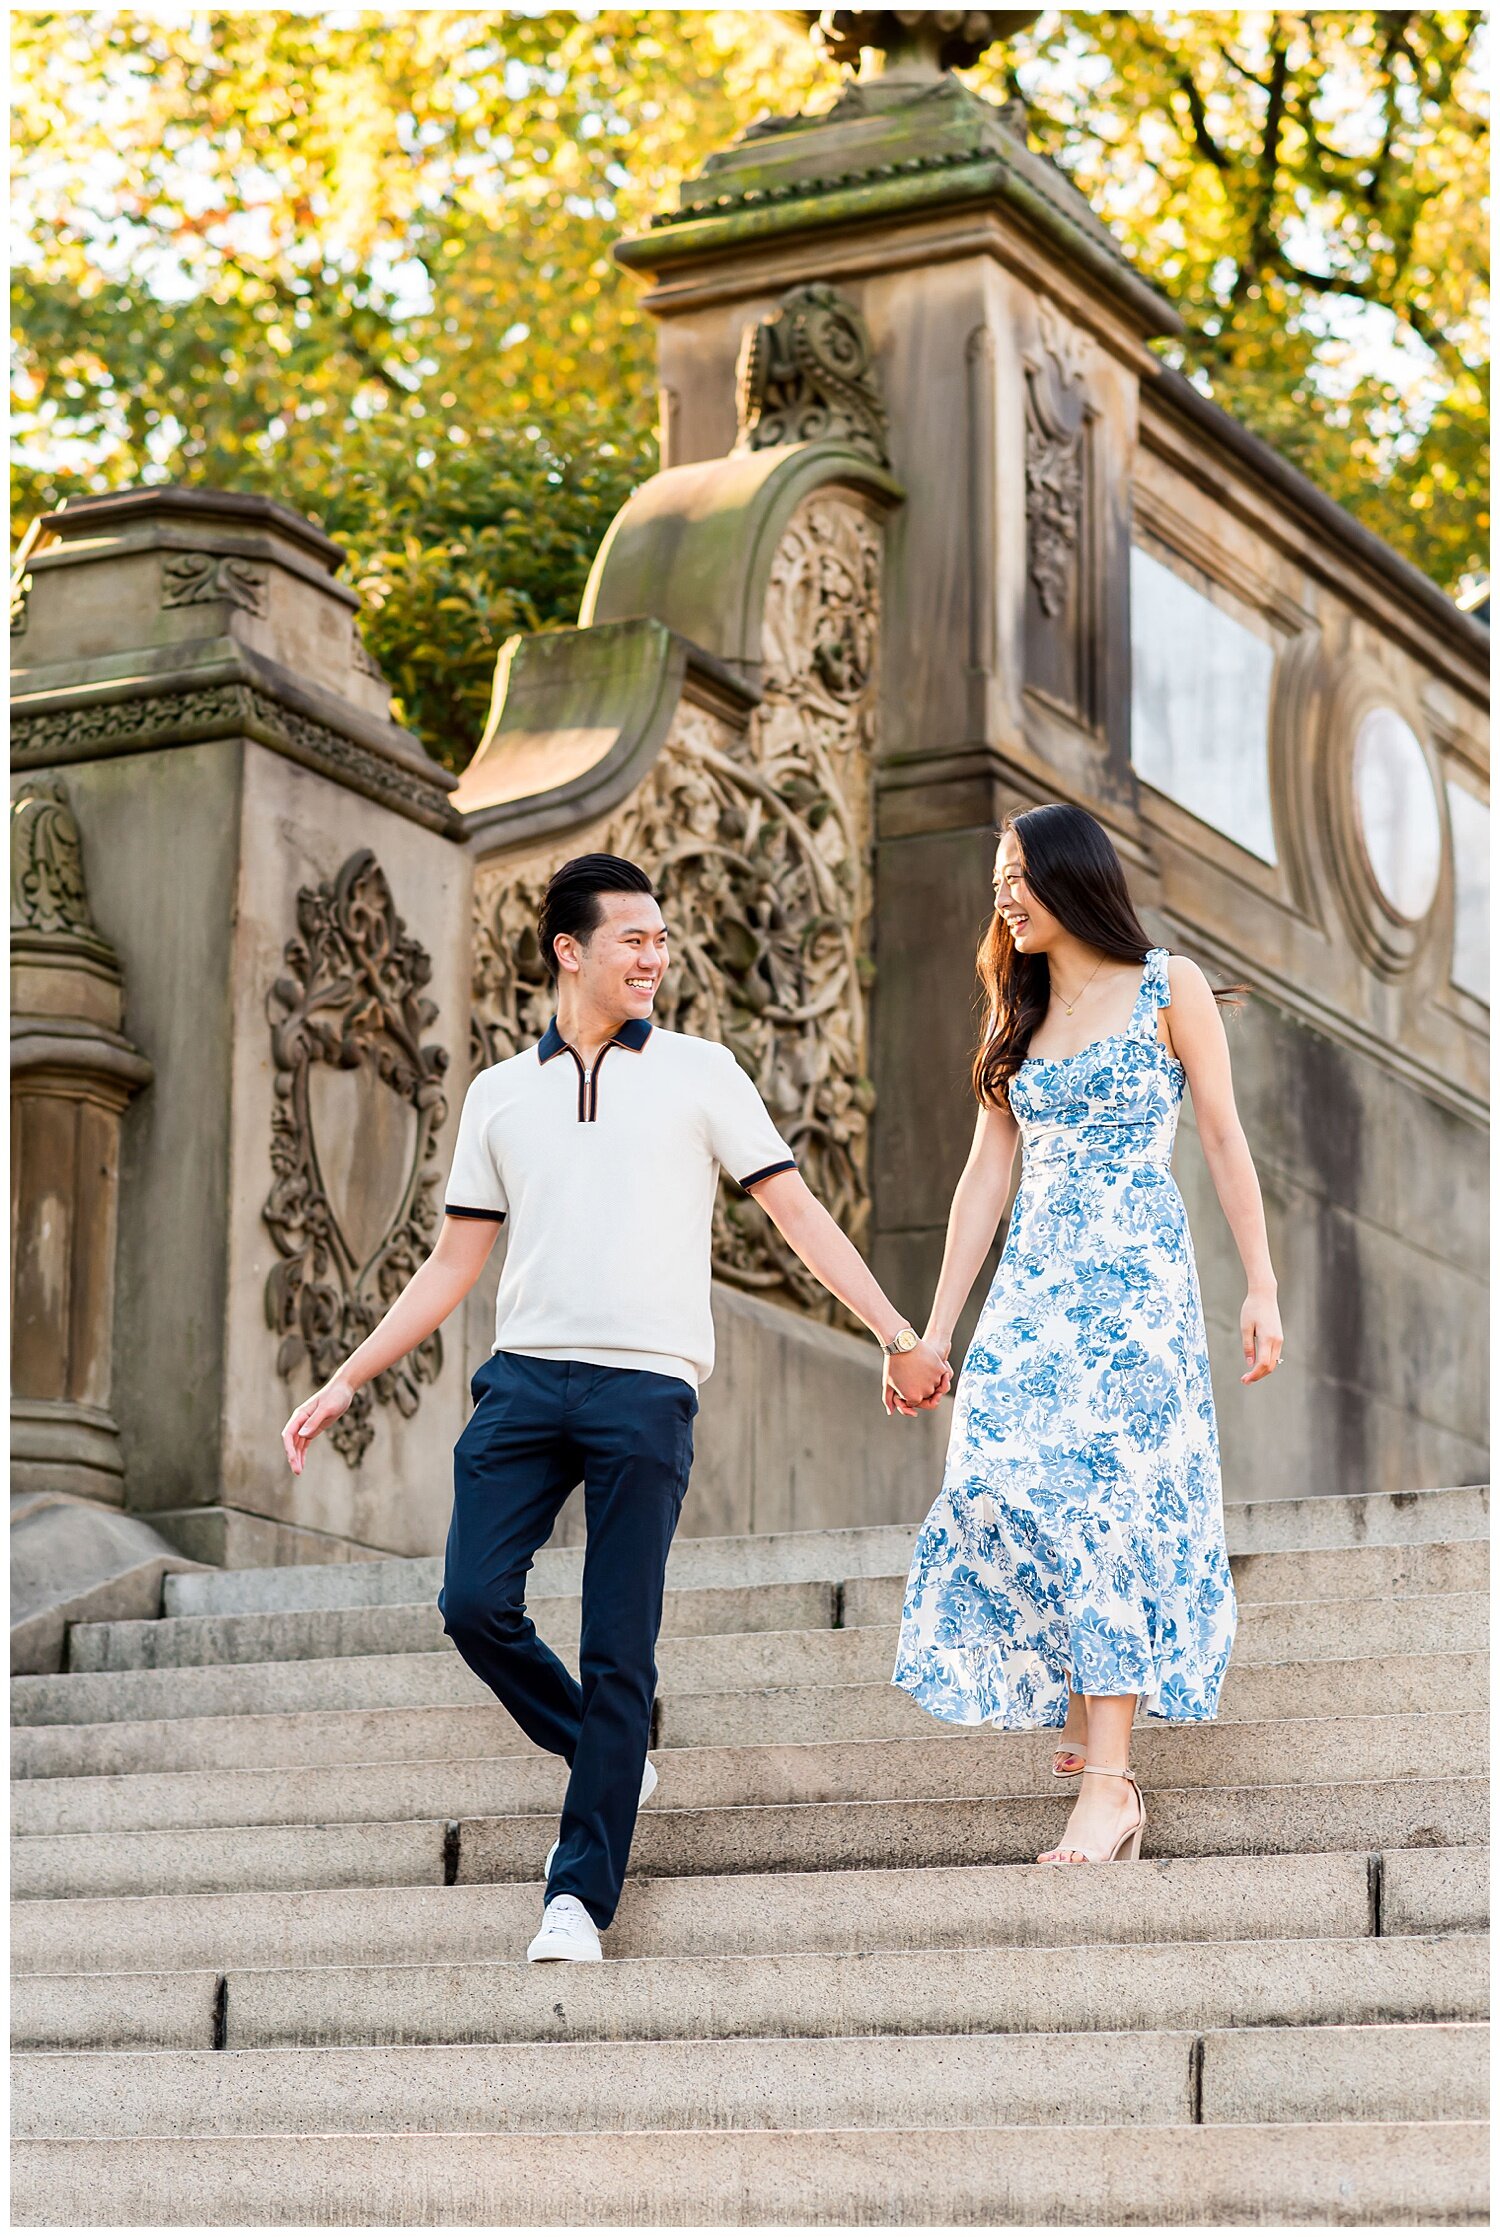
(1070, 1007)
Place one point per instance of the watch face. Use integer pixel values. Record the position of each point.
(907, 1340)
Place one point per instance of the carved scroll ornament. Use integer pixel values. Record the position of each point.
(353, 1206)
(808, 373)
(204, 578)
(47, 890)
(759, 844)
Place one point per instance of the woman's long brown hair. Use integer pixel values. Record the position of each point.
(1074, 871)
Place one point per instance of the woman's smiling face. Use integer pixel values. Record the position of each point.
(1032, 927)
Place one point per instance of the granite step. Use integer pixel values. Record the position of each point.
(809, 1836)
(1407, 1685)
(580, 2088)
(181, 1642)
(278, 1857)
(708, 1564)
(1372, 2174)
(583, 2086)
(1399, 1891)
(1311, 1750)
(1339, 1518)
(1282, 1631)
(1184, 1821)
(1369, 1686)
(871, 1993)
(1367, 1573)
(882, 1550)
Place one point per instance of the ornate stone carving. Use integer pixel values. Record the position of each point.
(1055, 436)
(364, 660)
(806, 373)
(204, 578)
(1069, 348)
(1054, 503)
(220, 711)
(945, 38)
(351, 1008)
(759, 843)
(47, 890)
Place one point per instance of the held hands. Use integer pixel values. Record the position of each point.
(1260, 1334)
(914, 1381)
(312, 1416)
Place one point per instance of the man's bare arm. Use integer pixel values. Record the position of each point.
(439, 1283)
(826, 1251)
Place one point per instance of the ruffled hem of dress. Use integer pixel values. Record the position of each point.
(939, 1702)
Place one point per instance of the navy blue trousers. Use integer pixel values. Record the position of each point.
(538, 1427)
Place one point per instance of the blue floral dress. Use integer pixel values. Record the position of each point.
(1080, 1530)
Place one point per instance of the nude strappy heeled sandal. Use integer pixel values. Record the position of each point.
(1057, 1763)
(1128, 1846)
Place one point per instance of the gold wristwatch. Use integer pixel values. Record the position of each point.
(905, 1340)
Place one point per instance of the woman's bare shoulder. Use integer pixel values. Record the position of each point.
(1184, 976)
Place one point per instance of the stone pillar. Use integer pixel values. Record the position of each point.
(276, 861)
(72, 1073)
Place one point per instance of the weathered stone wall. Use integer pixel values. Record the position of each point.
(1376, 1202)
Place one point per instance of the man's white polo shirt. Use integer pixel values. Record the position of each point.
(607, 1181)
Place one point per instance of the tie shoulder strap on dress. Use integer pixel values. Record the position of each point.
(1155, 994)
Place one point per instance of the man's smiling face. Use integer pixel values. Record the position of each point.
(623, 961)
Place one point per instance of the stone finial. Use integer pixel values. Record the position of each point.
(916, 41)
(807, 373)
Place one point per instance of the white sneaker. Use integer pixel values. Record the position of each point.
(648, 1788)
(567, 1932)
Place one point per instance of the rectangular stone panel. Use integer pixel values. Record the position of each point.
(1469, 822)
(1201, 704)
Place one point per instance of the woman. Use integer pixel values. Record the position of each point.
(1074, 1562)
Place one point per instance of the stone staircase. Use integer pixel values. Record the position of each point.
(278, 1854)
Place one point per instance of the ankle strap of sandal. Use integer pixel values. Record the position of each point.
(1104, 1771)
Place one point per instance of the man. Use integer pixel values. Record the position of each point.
(601, 1147)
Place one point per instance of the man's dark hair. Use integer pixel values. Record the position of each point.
(571, 901)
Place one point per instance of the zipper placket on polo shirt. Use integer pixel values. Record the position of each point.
(588, 1083)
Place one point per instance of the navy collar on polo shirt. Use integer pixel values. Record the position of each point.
(633, 1034)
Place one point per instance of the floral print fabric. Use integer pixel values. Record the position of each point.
(1080, 1529)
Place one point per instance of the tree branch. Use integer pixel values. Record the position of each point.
(1203, 138)
(1239, 67)
(1260, 242)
